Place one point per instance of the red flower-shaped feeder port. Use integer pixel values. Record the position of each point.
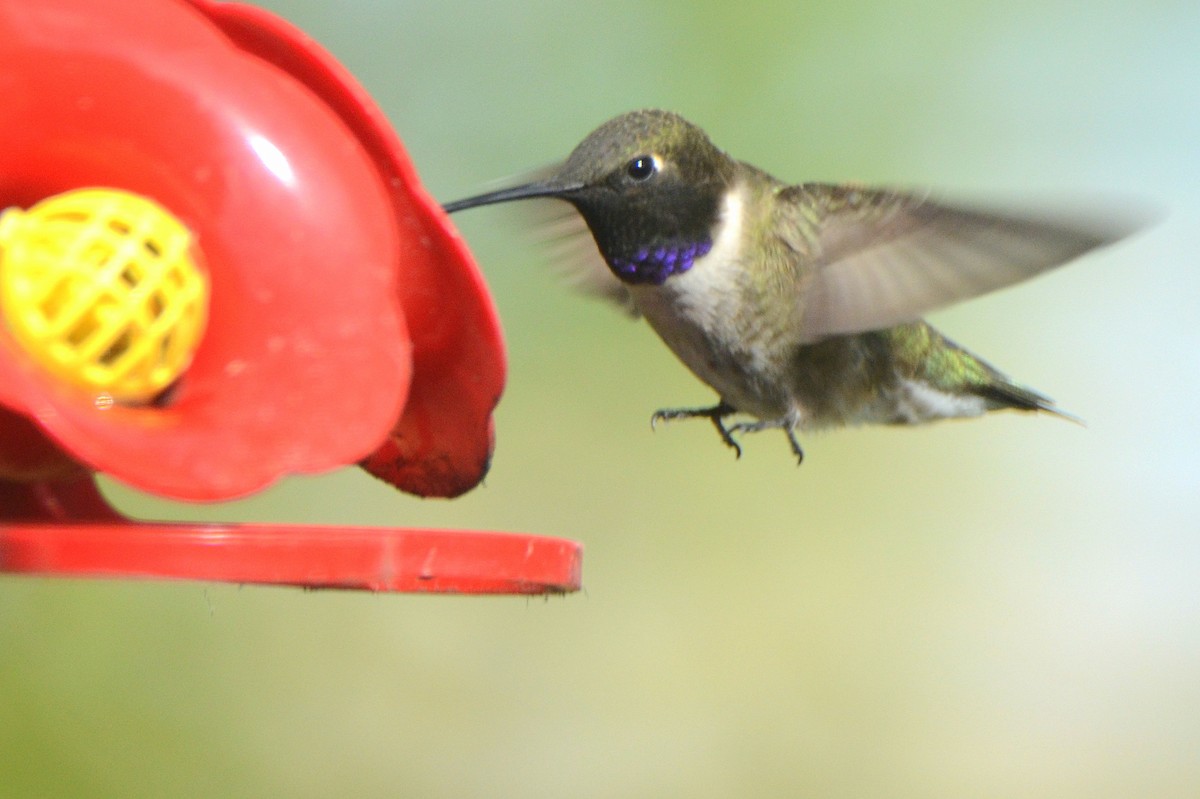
(219, 267)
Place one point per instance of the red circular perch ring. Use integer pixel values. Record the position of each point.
(433, 561)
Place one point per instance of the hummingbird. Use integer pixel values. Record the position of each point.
(800, 305)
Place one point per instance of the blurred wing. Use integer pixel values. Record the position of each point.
(575, 256)
(880, 258)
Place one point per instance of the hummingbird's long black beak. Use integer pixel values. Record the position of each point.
(526, 191)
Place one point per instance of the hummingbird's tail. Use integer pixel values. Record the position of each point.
(1003, 393)
(932, 359)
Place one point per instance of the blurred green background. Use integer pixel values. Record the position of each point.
(1007, 607)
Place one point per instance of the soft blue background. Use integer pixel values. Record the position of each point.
(1000, 608)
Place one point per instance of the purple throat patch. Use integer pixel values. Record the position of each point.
(656, 265)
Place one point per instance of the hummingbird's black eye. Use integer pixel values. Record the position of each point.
(641, 168)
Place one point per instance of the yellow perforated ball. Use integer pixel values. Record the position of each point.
(102, 288)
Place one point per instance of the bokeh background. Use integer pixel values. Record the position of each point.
(1000, 608)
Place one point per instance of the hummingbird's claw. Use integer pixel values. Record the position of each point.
(796, 449)
(768, 424)
(715, 414)
(727, 437)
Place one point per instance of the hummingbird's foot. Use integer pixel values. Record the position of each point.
(716, 414)
(786, 425)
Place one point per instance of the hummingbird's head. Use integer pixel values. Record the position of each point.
(649, 184)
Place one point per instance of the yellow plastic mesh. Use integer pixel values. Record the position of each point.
(102, 288)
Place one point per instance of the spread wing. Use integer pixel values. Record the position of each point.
(879, 258)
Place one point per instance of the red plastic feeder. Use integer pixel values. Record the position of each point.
(262, 288)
